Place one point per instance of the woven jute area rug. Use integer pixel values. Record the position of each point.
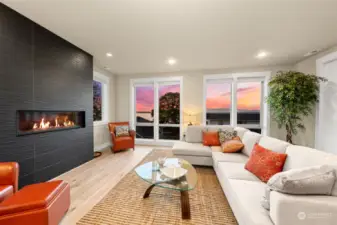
(124, 204)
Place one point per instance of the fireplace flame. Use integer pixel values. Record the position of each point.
(63, 122)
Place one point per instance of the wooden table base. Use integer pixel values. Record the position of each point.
(184, 201)
(185, 205)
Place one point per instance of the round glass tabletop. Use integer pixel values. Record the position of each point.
(150, 173)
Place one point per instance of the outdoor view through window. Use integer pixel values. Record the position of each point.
(248, 104)
(97, 110)
(168, 115)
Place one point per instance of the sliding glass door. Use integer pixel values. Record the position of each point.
(144, 117)
(156, 109)
(169, 111)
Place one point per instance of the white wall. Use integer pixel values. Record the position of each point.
(101, 131)
(308, 66)
(192, 91)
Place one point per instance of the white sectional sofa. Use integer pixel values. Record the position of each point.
(244, 190)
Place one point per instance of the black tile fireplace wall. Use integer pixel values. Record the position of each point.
(41, 71)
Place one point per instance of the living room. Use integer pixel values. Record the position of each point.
(168, 112)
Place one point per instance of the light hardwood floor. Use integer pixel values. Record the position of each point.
(91, 181)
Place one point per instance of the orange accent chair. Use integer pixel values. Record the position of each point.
(121, 143)
(9, 175)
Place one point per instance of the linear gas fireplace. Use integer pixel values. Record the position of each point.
(34, 121)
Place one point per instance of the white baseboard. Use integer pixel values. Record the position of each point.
(101, 147)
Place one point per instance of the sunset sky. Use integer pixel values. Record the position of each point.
(145, 96)
(218, 96)
(248, 94)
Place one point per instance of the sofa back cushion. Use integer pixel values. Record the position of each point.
(220, 127)
(301, 157)
(193, 134)
(240, 131)
(273, 144)
(249, 139)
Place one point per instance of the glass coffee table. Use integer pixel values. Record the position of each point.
(149, 172)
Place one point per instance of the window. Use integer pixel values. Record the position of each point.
(97, 101)
(218, 103)
(156, 110)
(249, 105)
(100, 98)
(237, 100)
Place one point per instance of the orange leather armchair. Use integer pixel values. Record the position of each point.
(121, 143)
(9, 175)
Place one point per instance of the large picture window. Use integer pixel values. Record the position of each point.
(218, 102)
(97, 86)
(237, 100)
(156, 105)
(100, 98)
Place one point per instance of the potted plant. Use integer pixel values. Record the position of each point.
(293, 96)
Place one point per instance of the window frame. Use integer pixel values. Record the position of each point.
(236, 78)
(105, 81)
(156, 82)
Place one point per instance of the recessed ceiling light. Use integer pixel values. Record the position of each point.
(171, 61)
(109, 54)
(262, 54)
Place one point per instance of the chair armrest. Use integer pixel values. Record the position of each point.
(113, 137)
(9, 174)
(132, 133)
(288, 209)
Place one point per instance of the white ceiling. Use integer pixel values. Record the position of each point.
(201, 34)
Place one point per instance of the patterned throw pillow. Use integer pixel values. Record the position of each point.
(122, 131)
(210, 138)
(225, 135)
(265, 163)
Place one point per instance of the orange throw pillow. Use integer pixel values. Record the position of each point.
(232, 146)
(265, 163)
(210, 138)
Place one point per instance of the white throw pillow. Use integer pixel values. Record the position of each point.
(316, 180)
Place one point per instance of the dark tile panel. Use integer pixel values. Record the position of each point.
(14, 26)
(39, 70)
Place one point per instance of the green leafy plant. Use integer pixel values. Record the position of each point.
(292, 97)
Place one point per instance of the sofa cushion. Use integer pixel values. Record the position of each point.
(240, 131)
(193, 134)
(265, 163)
(228, 157)
(234, 170)
(302, 209)
(248, 195)
(273, 144)
(249, 139)
(216, 148)
(300, 157)
(195, 149)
